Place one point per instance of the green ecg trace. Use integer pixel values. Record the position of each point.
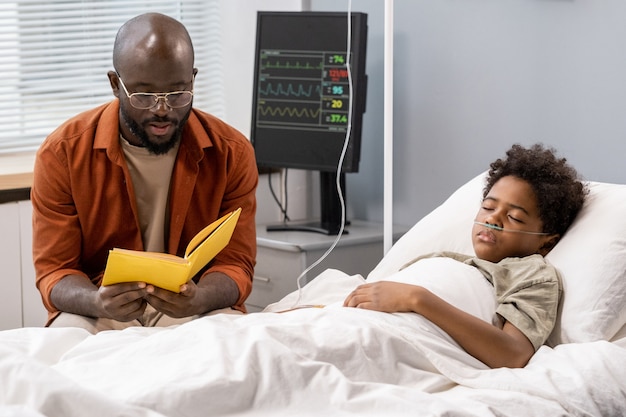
(297, 65)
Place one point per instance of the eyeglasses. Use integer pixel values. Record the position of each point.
(145, 101)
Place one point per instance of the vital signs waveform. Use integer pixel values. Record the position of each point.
(289, 114)
(291, 90)
(291, 64)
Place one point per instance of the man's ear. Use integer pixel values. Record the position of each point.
(114, 81)
(549, 243)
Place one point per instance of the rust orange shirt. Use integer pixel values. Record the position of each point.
(84, 203)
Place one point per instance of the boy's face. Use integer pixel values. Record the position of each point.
(511, 205)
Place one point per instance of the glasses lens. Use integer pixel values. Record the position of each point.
(143, 101)
(181, 99)
(148, 100)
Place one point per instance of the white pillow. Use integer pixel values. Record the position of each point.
(448, 227)
(591, 256)
(592, 260)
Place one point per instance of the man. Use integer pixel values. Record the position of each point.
(144, 172)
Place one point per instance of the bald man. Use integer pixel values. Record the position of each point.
(145, 171)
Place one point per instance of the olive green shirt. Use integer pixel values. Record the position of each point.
(527, 291)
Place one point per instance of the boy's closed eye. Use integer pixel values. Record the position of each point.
(514, 213)
(516, 219)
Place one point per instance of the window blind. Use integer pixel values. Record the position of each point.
(54, 57)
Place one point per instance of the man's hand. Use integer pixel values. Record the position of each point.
(78, 295)
(184, 304)
(123, 302)
(213, 291)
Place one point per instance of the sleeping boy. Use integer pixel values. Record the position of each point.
(530, 199)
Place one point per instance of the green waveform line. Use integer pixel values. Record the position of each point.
(290, 112)
(288, 65)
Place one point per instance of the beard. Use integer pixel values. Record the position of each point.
(139, 131)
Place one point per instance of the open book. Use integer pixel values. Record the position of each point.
(170, 271)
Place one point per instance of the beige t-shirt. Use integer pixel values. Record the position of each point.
(151, 175)
(527, 291)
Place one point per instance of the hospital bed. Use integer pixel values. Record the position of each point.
(339, 361)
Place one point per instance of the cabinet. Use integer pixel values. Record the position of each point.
(11, 274)
(20, 302)
(34, 314)
(283, 255)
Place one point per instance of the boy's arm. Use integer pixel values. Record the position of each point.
(506, 347)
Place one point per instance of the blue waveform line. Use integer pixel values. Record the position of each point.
(290, 90)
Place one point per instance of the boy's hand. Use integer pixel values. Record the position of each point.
(386, 296)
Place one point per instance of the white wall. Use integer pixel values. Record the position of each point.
(239, 41)
(471, 78)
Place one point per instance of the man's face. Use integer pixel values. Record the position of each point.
(511, 205)
(157, 133)
(158, 128)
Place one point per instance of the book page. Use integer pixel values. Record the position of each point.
(153, 255)
(204, 234)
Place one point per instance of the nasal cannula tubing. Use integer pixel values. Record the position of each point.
(500, 229)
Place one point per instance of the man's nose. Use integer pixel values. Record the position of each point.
(161, 107)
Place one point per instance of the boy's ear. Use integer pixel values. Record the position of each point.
(549, 244)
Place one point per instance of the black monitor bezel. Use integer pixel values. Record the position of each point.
(318, 152)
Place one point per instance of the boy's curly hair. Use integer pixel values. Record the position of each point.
(559, 192)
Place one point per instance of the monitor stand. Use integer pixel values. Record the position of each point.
(330, 222)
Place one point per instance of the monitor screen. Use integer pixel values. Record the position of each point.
(301, 100)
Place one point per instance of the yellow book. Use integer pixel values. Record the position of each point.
(169, 271)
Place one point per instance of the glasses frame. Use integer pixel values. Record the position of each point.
(156, 96)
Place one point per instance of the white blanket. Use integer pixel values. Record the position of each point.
(311, 361)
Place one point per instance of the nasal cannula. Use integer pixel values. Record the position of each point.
(500, 229)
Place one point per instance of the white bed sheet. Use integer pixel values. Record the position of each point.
(316, 361)
(338, 361)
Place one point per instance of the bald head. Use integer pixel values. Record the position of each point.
(150, 40)
(152, 54)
